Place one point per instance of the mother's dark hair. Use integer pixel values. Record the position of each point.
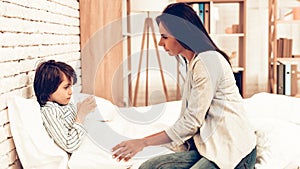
(182, 22)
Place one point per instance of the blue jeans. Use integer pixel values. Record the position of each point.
(193, 160)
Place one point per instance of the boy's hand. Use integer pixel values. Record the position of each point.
(84, 107)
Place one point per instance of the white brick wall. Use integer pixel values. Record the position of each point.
(31, 31)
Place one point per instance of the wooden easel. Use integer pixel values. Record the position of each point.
(148, 24)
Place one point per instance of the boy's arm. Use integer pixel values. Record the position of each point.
(62, 128)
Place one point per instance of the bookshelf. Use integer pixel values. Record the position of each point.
(283, 55)
(225, 20)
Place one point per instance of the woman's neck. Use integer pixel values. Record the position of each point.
(189, 55)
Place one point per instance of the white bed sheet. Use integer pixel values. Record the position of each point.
(121, 124)
(275, 118)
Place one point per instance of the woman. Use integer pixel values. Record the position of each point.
(212, 131)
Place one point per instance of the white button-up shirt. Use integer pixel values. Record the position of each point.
(213, 112)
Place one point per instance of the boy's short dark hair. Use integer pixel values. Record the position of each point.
(48, 76)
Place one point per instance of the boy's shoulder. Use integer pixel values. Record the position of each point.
(55, 106)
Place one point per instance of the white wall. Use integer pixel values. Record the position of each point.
(257, 47)
(30, 31)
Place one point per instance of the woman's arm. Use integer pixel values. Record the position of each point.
(127, 149)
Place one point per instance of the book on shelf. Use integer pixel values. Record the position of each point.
(207, 16)
(199, 8)
(294, 79)
(284, 47)
(203, 10)
(287, 78)
(280, 78)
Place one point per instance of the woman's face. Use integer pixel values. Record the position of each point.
(170, 44)
(63, 93)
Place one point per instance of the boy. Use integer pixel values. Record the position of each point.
(53, 84)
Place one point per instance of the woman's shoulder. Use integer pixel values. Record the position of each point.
(210, 64)
(213, 60)
(210, 55)
(208, 58)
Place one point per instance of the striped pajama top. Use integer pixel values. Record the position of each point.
(59, 121)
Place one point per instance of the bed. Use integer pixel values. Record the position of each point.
(275, 118)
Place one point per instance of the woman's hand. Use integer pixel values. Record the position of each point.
(84, 107)
(127, 149)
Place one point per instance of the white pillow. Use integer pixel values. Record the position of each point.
(277, 143)
(273, 106)
(276, 120)
(34, 146)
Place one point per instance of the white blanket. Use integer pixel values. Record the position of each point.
(37, 150)
(275, 118)
(108, 125)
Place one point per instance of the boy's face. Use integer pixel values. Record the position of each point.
(63, 93)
